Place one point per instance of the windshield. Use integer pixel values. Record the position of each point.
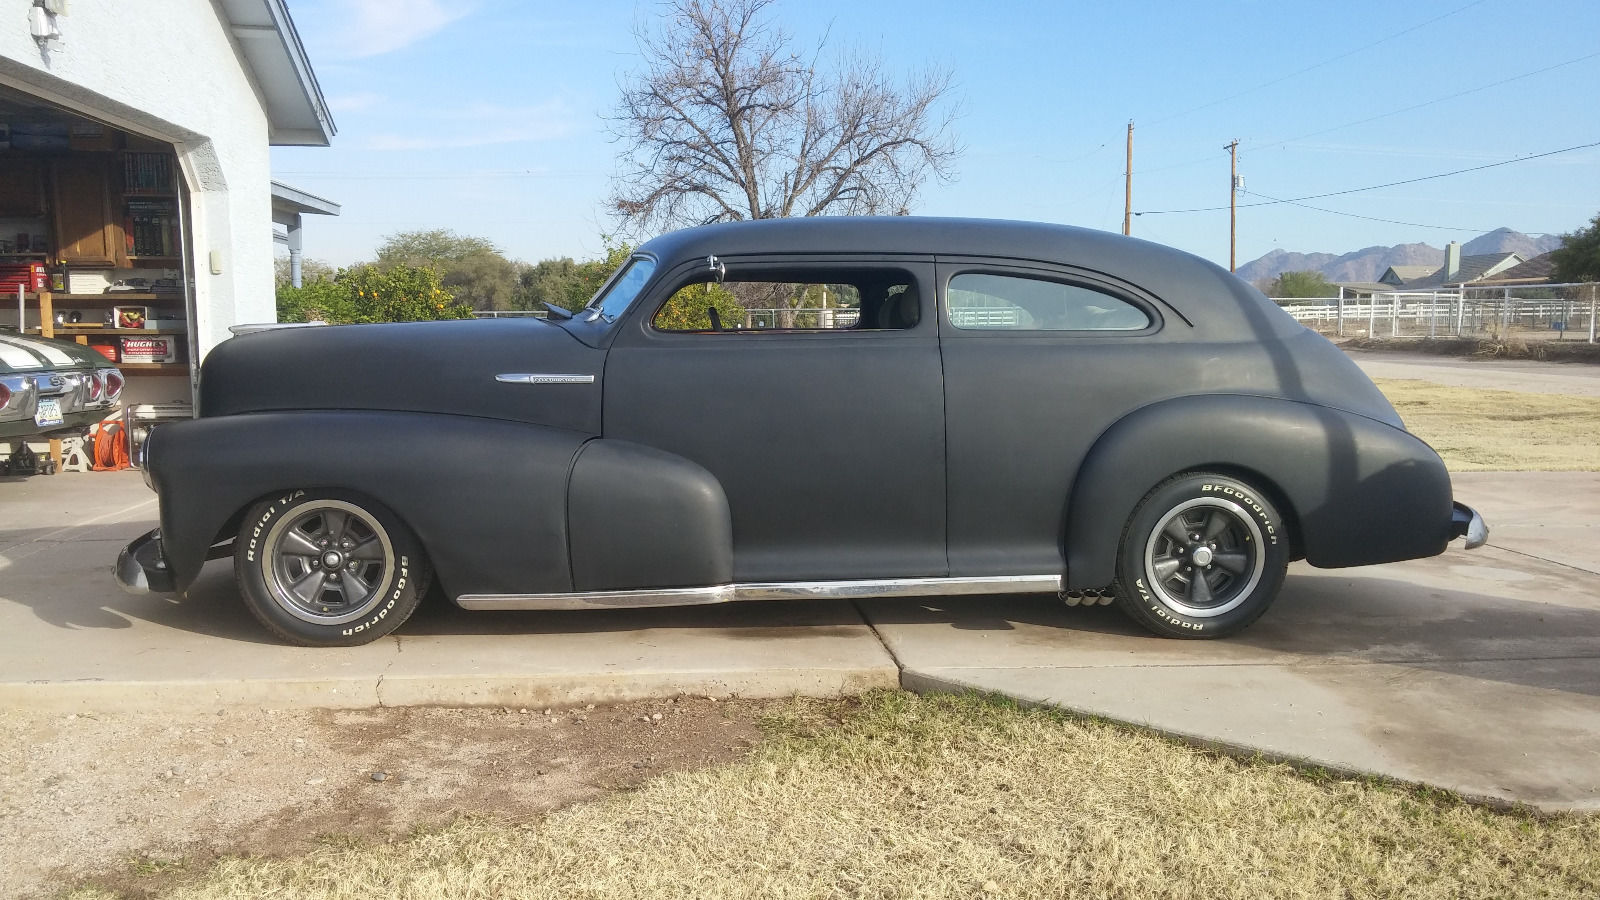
(624, 288)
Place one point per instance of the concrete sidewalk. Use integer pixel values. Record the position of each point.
(1476, 671)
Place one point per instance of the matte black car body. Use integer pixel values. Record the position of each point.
(665, 460)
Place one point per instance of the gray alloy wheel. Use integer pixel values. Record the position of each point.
(328, 562)
(1202, 556)
(328, 568)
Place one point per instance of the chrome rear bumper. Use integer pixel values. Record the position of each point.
(1465, 522)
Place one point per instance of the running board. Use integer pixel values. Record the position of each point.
(771, 590)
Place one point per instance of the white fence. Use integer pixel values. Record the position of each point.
(1552, 311)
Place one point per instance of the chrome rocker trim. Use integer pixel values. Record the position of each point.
(772, 590)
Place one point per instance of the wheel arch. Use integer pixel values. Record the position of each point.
(1352, 490)
(500, 513)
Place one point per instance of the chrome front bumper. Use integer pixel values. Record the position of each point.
(142, 566)
(1465, 522)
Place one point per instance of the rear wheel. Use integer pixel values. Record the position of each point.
(328, 568)
(1202, 556)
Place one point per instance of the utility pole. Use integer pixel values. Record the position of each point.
(1127, 197)
(1233, 194)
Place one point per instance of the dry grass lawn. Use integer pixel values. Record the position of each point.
(901, 796)
(1500, 430)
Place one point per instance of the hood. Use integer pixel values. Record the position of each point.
(448, 367)
(22, 354)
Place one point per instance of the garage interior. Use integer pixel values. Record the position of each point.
(94, 245)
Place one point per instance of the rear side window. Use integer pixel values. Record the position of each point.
(983, 302)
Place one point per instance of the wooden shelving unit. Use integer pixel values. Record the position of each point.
(46, 302)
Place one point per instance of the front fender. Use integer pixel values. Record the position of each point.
(487, 498)
(1362, 491)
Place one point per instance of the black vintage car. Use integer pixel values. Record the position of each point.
(802, 408)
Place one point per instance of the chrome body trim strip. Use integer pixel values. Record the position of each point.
(543, 378)
(774, 590)
(600, 599)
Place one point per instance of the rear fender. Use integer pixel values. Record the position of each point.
(1361, 491)
(487, 498)
(645, 518)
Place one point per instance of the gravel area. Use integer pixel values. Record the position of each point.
(127, 801)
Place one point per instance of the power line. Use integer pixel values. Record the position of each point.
(1393, 112)
(1317, 65)
(1381, 219)
(1416, 106)
(428, 176)
(1374, 187)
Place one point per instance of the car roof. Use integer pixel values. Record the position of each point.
(1209, 296)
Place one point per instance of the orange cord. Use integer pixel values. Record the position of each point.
(110, 445)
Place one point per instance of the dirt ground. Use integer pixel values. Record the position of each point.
(119, 800)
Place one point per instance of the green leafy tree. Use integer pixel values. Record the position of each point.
(1578, 257)
(310, 270)
(689, 309)
(592, 274)
(366, 294)
(1302, 284)
(547, 281)
(473, 268)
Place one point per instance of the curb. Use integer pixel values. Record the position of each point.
(423, 690)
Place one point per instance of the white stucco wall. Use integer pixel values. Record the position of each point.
(170, 69)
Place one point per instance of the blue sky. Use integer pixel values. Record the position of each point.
(487, 116)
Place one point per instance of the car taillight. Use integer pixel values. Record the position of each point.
(5, 395)
(95, 386)
(114, 383)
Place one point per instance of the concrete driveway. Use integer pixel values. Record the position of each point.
(1476, 671)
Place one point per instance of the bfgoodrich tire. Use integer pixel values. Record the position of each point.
(328, 569)
(1202, 556)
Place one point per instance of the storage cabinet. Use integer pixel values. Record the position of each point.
(21, 189)
(86, 232)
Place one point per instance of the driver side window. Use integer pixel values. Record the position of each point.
(826, 301)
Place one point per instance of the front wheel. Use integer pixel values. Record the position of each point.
(1202, 556)
(328, 569)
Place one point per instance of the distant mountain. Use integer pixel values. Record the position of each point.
(1504, 240)
(1369, 263)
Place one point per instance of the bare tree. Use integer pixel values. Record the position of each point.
(726, 122)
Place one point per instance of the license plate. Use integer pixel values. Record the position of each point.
(49, 412)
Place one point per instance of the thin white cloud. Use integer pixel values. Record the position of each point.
(354, 102)
(383, 26)
(481, 125)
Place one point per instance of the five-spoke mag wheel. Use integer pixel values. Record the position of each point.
(1203, 555)
(1204, 558)
(328, 568)
(327, 563)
